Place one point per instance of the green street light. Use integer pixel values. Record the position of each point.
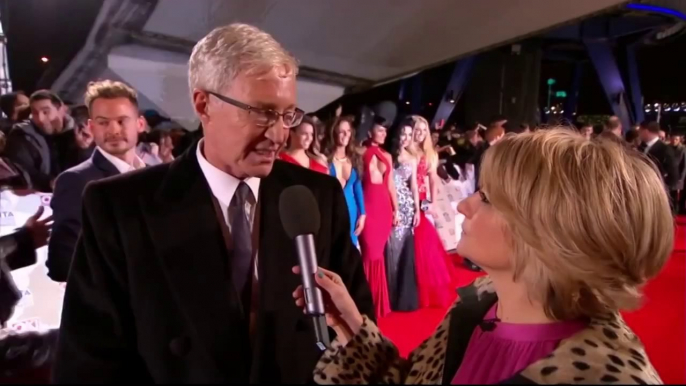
(551, 82)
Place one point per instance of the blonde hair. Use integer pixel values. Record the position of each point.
(109, 89)
(589, 220)
(427, 147)
(233, 49)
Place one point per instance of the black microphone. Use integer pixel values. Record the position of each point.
(300, 218)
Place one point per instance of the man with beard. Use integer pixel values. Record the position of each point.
(32, 144)
(115, 124)
(183, 271)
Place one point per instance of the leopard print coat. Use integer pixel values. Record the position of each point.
(606, 352)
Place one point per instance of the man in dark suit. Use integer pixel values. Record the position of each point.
(662, 155)
(183, 271)
(115, 124)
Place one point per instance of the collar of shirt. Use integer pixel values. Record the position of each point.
(222, 184)
(650, 143)
(121, 165)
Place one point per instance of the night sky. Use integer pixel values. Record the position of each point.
(58, 28)
(34, 28)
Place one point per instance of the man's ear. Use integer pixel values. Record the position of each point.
(141, 123)
(201, 102)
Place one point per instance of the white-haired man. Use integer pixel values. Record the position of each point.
(183, 271)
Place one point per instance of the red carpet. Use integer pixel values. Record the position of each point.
(660, 323)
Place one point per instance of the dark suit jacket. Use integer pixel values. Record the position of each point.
(66, 211)
(150, 297)
(663, 156)
(29, 148)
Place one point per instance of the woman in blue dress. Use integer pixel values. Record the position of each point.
(344, 164)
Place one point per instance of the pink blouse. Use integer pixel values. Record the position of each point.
(507, 349)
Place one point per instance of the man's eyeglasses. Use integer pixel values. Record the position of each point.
(265, 117)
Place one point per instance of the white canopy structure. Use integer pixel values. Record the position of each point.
(341, 45)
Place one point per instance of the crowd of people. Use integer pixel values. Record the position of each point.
(390, 180)
(146, 297)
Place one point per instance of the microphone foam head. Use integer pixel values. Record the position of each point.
(299, 211)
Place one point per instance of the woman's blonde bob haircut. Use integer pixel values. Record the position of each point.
(589, 220)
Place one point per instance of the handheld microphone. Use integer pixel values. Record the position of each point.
(300, 218)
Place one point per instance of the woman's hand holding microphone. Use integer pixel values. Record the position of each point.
(341, 312)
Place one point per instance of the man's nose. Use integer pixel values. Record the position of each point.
(113, 127)
(277, 132)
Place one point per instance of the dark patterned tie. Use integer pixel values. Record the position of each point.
(242, 241)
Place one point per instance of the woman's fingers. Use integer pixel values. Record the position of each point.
(46, 220)
(298, 293)
(37, 215)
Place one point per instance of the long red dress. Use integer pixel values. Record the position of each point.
(314, 165)
(377, 229)
(433, 270)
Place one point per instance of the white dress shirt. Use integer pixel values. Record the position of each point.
(223, 186)
(121, 165)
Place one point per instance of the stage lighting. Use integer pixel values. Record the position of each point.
(44, 59)
(676, 107)
(666, 107)
(648, 109)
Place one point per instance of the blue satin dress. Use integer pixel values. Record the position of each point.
(354, 198)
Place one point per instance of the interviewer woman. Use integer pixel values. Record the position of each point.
(568, 231)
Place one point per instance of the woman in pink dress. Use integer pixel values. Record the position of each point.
(301, 147)
(381, 205)
(433, 266)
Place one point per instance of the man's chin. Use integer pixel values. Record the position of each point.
(261, 170)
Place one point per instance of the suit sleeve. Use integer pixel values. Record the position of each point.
(66, 212)
(671, 168)
(18, 150)
(347, 262)
(97, 341)
(23, 253)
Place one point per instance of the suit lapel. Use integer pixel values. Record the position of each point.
(107, 168)
(187, 239)
(276, 251)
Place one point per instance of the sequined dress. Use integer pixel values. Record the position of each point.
(400, 273)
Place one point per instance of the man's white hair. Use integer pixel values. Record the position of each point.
(233, 49)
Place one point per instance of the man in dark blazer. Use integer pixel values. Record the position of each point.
(183, 270)
(662, 155)
(66, 207)
(115, 124)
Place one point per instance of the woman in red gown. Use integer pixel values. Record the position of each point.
(433, 266)
(380, 204)
(301, 147)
